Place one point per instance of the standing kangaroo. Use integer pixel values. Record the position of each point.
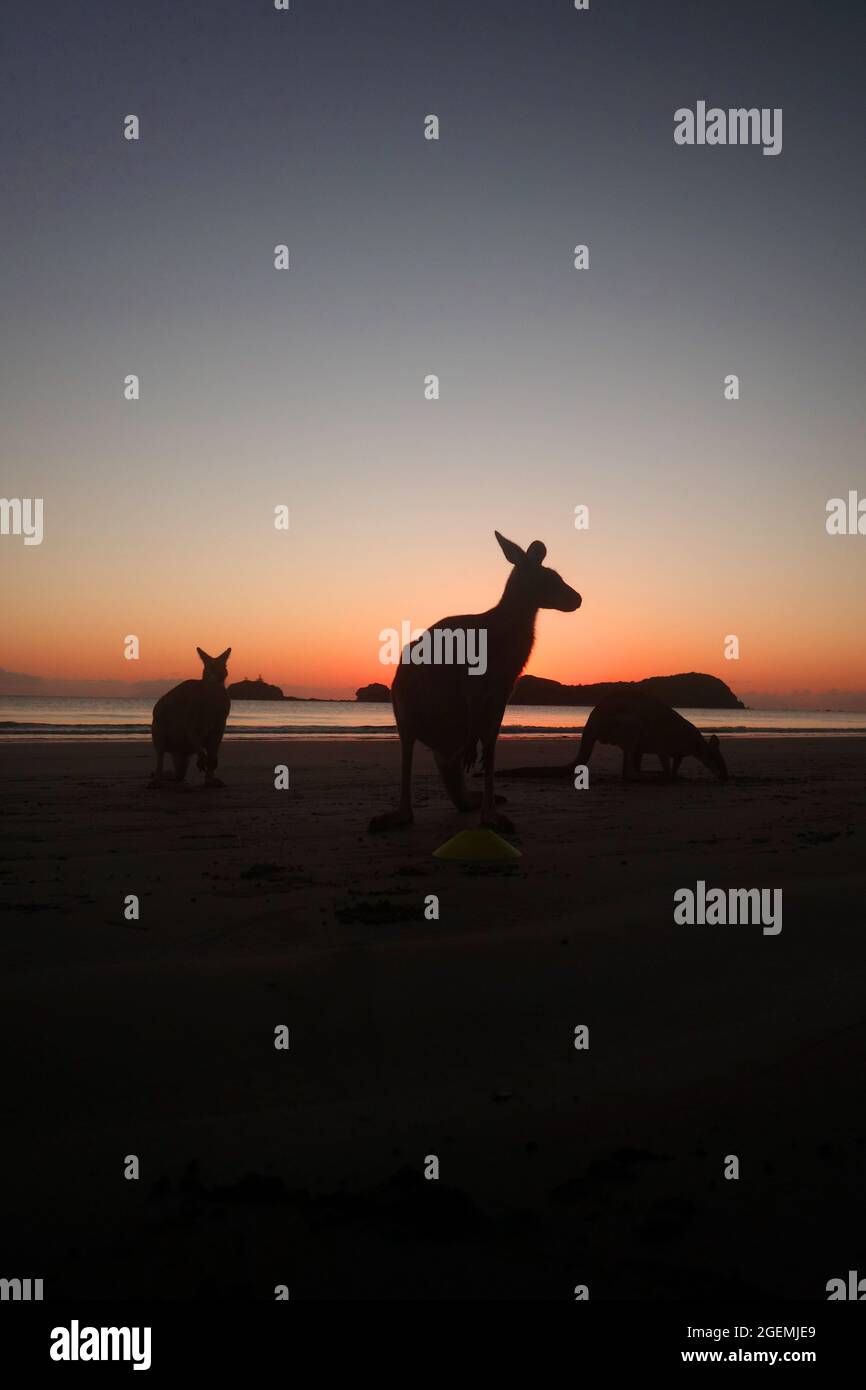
(639, 723)
(191, 718)
(451, 710)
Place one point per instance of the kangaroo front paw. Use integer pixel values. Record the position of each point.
(496, 820)
(391, 820)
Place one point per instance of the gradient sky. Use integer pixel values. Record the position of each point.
(559, 387)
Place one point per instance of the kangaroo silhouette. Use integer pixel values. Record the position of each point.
(638, 723)
(453, 711)
(191, 719)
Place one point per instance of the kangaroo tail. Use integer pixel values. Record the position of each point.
(551, 772)
(454, 782)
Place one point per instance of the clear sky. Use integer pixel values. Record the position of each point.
(559, 387)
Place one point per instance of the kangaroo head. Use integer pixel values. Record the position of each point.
(713, 759)
(532, 581)
(215, 668)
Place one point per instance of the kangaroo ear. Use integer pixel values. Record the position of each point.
(512, 552)
(224, 656)
(536, 552)
(204, 656)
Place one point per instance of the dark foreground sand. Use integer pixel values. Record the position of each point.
(411, 1037)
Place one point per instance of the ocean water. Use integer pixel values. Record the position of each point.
(66, 717)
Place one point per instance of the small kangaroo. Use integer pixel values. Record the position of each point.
(191, 718)
(451, 710)
(639, 723)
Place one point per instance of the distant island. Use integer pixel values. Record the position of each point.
(254, 690)
(375, 694)
(261, 690)
(689, 690)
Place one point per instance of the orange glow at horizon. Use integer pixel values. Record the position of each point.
(320, 634)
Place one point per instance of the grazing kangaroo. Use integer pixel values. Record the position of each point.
(191, 718)
(451, 710)
(639, 723)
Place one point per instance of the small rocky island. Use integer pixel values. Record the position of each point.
(375, 694)
(254, 690)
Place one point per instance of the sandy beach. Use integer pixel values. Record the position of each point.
(411, 1037)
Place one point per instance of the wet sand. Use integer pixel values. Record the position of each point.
(412, 1037)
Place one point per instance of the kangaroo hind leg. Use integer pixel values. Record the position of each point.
(631, 759)
(390, 820)
(454, 782)
(210, 764)
(181, 763)
(159, 747)
(490, 817)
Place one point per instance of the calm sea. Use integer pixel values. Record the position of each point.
(56, 717)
